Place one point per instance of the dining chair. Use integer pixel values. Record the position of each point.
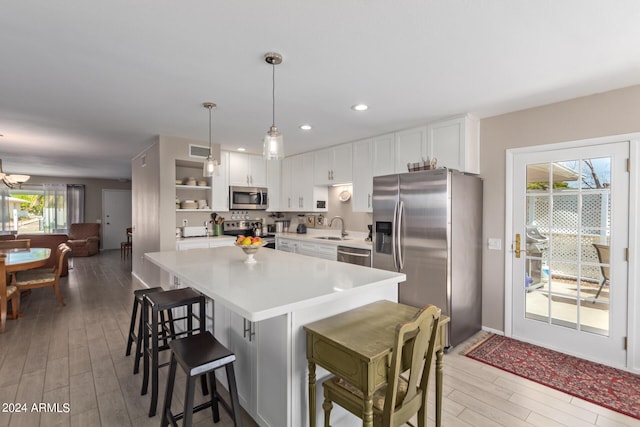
(32, 279)
(603, 259)
(7, 292)
(405, 393)
(125, 247)
(15, 244)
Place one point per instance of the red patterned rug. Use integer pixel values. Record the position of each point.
(605, 386)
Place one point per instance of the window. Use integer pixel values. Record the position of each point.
(49, 208)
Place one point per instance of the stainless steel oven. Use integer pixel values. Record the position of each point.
(248, 198)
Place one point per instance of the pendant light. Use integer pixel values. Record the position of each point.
(210, 167)
(273, 146)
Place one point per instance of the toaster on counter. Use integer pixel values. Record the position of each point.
(200, 231)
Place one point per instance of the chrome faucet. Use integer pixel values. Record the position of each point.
(343, 233)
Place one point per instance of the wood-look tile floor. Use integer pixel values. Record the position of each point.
(72, 358)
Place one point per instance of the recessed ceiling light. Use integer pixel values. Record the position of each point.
(305, 127)
(359, 107)
(242, 149)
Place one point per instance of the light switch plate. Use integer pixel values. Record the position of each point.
(495, 244)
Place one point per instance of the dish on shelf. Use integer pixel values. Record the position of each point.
(190, 181)
(202, 183)
(178, 182)
(188, 204)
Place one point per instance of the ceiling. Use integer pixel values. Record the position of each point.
(85, 86)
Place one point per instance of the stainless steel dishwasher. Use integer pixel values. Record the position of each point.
(354, 255)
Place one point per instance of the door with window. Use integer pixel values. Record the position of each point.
(570, 229)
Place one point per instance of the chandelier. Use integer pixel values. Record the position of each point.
(12, 181)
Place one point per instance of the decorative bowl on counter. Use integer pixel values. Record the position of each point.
(250, 250)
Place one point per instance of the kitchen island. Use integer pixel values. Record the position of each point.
(259, 312)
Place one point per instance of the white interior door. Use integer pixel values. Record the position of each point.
(566, 204)
(116, 217)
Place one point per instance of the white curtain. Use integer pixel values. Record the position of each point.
(54, 214)
(75, 203)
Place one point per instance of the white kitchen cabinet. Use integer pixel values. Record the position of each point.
(247, 170)
(318, 250)
(411, 147)
(383, 154)
(274, 181)
(220, 198)
(362, 176)
(204, 242)
(286, 245)
(242, 342)
(256, 377)
(333, 165)
(299, 194)
(455, 143)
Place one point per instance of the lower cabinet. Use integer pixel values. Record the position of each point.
(260, 349)
(204, 242)
(318, 250)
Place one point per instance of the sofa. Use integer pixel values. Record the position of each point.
(84, 239)
(50, 241)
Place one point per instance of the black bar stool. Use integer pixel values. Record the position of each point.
(199, 355)
(137, 336)
(154, 304)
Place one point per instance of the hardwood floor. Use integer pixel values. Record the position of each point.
(73, 356)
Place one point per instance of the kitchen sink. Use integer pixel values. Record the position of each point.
(330, 238)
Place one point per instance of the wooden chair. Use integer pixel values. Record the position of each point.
(125, 247)
(603, 258)
(31, 279)
(402, 397)
(15, 244)
(7, 292)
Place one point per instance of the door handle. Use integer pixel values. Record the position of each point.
(517, 250)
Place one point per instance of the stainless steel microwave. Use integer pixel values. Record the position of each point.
(248, 198)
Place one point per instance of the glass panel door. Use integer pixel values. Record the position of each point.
(571, 211)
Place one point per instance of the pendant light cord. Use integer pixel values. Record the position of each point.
(273, 94)
(209, 131)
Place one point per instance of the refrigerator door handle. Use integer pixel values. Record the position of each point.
(394, 233)
(399, 236)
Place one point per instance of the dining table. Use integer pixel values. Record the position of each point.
(20, 259)
(356, 346)
(25, 259)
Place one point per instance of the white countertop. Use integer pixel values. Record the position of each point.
(353, 239)
(279, 283)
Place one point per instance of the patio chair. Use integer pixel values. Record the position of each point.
(603, 258)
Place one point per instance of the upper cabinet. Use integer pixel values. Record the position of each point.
(411, 147)
(298, 191)
(383, 154)
(362, 197)
(274, 179)
(455, 143)
(220, 199)
(247, 170)
(333, 165)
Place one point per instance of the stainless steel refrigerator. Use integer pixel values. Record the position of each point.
(428, 225)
